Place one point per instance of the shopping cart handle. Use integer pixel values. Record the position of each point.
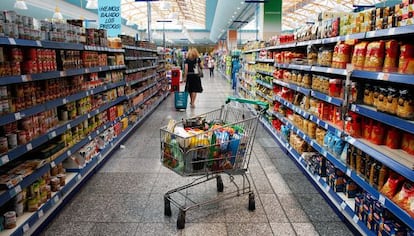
(264, 105)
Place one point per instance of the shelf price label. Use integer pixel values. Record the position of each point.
(355, 219)
(56, 199)
(391, 31)
(15, 191)
(12, 41)
(353, 107)
(4, 159)
(52, 134)
(381, 199)
(52, 164)
(64, 101)
(318, 177)
(327, 188)
(383, 76)
(348, 172)
(90, 138)
(40, 214)
(26, 227)
(68, 126)
(343, 205)
(69, 153)
(62, 73)
(17, 116)
(78, 177)
(29, 147)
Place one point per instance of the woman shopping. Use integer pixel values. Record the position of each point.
(211, 66)
(192, 70)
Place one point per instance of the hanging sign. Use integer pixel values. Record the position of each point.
(109, 12)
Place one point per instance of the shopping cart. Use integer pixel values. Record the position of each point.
(210, 144)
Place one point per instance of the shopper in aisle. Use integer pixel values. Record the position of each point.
(192, 70)
(211, 65)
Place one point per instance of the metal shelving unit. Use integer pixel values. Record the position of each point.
(394, 159)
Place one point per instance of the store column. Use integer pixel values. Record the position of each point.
(270, 19)
(232, 45)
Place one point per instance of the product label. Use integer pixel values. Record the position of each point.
(40, 213)
(4, 159)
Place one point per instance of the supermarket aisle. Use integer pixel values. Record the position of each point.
(126, 196)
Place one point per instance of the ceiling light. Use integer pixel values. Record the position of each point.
(92, 4)
(20, 4)
(57, 15)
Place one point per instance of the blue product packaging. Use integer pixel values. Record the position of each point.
(338, 147)
(327, 139)
(233, 147)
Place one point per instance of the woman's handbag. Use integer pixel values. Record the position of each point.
(200, 71)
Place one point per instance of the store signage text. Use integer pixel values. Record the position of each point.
(109, 12)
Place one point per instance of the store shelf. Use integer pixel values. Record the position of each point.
(62, 45)
(265, 60)
(406, 125)
(265, 84)
(332, 100)
(281, 46)
(328, 70)
(327, 126)
(139, 48)
(130, 83)
(386, 155)
(265, 72)
(299, 67)
(130, 71)
(28, 219)
(295, 87)
(269, 99)
(309, 42)
(281, 66)
(343, 205)
(400, 213)
(6, 80)
(296, 109)
(251, 50)
(140, 58)
(103, 49)
(247, 91)
(391, 32)
(36, 142)
(141, 90)
(5, 119)
(382, 76)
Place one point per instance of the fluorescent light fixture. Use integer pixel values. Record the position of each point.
(92, 4)
(164, 21)
(57, 15)
(20, 4)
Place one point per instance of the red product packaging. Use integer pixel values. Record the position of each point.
(378, 133)
(335, 87)
(374, 58)
(391, 56)
(406, 53)
(353, 126)
(393, 138)
(366, 128)
(392, 185)
(407, 143)
(405, 198)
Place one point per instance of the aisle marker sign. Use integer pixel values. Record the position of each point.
(109, 12)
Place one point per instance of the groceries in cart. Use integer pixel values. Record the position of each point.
(198, 145)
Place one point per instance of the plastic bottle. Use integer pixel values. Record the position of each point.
(177, 155)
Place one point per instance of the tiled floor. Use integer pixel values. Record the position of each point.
(126, 196)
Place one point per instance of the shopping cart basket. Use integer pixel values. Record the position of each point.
(210, 144)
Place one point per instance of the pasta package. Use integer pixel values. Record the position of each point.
(406, 53)
(341, 55)
(374, 58)
(391, 56)
(358, 57)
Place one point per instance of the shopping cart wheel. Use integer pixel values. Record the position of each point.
(252, 203)
(181, 220)
(167, 206)
(220, 185)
